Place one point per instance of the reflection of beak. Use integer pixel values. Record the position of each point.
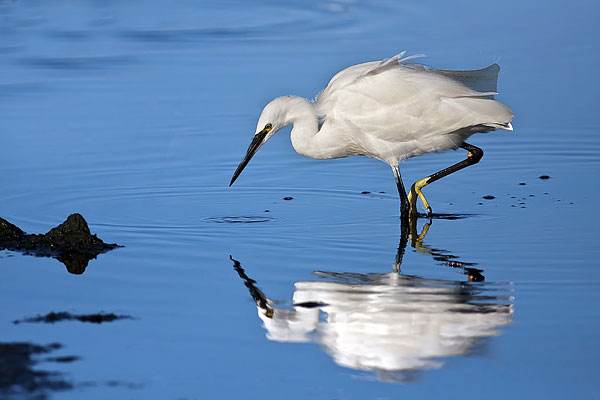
(254, 145)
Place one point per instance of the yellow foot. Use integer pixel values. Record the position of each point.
(415, 191)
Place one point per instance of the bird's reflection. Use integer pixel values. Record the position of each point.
(391, 324)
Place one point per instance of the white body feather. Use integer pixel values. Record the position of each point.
(391, 111)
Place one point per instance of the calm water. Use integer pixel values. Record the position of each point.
(136, 115)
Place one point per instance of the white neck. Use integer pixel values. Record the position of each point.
(305, 131)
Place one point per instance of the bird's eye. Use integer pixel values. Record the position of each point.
(269, 126)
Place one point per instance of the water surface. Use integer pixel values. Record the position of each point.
(136, 115)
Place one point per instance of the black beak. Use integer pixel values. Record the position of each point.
(254, 145)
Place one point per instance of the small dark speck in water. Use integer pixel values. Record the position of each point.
(546, 193)
(382, 192)
(544, 177)
(488, 197)
(522, 184)
(571, 203)
(287, 198)
(365, 192)
(512, 205)
(532, 195)
(513, 197)
(53, 317)
(63, 359)
(267, 210)
(521, 203)
(480, 204)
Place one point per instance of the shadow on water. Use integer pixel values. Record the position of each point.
(390, 324)
(21, 379)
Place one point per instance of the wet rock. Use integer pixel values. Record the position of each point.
(71, 242)
(488, 197)
(544, 177)
(288, 198)
(52, 317)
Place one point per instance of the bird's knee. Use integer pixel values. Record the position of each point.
(421, 183)
(475, 154)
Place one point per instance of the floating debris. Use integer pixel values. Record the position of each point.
(53, 317)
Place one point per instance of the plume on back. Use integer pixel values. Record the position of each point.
(448, 101)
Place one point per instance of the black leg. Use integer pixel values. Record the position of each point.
(401, 193)
(473, 157)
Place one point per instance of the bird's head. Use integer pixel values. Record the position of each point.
(272, 119)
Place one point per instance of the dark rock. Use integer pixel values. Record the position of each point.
(71, 243)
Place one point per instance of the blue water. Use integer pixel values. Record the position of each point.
(135, 115)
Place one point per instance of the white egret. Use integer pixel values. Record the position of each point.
(390, 110)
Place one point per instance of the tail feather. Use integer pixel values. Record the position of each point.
(480, 112)
(504, 126)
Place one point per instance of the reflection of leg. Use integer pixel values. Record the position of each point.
(442, 256)
(404, 234)
(473, 156)
(401, 192)
(416, 241)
